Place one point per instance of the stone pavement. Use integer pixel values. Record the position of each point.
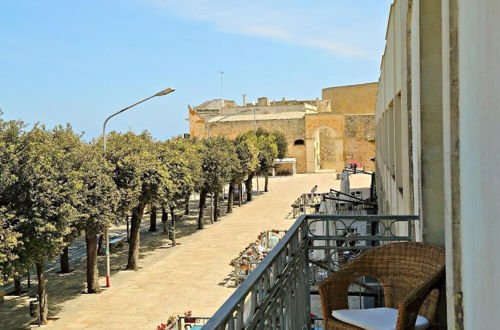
(190, 276)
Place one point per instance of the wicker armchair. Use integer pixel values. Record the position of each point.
(410, 273)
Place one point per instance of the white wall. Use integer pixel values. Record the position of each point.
(479, 103)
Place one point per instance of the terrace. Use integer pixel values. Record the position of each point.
(282, 291)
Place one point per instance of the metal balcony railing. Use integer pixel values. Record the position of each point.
(277, 294)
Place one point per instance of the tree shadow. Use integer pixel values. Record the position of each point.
(14, 312)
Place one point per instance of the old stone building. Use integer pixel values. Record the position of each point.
(323, 135)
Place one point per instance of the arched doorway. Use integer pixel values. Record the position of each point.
(327, 151)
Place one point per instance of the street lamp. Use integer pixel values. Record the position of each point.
(106, 233)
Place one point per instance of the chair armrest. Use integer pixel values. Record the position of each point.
(408, 310)
(334, 289)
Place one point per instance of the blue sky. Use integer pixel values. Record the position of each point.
(78, 61)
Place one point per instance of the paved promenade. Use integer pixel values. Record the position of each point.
(190, 276)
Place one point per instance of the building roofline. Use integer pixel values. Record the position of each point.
(352, 85)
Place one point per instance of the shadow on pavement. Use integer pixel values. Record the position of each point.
(14, 312)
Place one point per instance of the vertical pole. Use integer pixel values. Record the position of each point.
(39, 317)
(212, 207)
(108, 277)
(106, 233)
(222, 86)
(255, 133)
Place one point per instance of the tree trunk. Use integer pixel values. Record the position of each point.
(248, 187)
(100, 250)
(135, 237)
(240, 195)
(230, 198)
(43, 303)
(186, 205)
(92, 270)
(172, 229)
(128, 228)
(152, 218)
(212, 211)
(164, 220)
(18, 288)
(266, 182)
(203, 200)
(216, 206)
(64, 259)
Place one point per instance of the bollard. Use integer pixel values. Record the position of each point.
(34, 308)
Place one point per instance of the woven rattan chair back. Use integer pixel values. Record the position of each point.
(399, 267)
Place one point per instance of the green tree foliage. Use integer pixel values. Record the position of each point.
(248, 161)
(8, 243)
(268, 151)
(68, 142)
(46, 194)
(184, 164)
(141, 178)
(281, 143)
(175, 154)
(182, 157)
(97, 205)
(54, 187)
(10, 248)
(218, 159)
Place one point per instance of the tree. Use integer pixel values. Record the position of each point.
(68, 142)
(8, 243)
(247, 155)
(152, 217)
(181, 155)
(97, 206)
(281, 143)
(140, 177)
(44, 206)
(11, 265)
(218, 157)
(268, 151)
(191, 175)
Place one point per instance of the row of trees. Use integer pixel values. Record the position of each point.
(54, 187)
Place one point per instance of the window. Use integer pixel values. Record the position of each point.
(298, 143)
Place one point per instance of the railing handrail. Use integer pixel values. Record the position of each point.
(246, 287)
(362, 217)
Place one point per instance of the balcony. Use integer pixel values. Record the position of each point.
(282, 290)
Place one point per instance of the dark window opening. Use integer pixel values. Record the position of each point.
(298, 143)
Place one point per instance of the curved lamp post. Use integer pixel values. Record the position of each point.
(106, 233)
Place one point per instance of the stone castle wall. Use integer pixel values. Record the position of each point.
(354, 99)
(359, 141)
(335, 130)
(292, 128)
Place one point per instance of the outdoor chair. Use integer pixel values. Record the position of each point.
(411, 275)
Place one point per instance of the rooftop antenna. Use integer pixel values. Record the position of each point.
(221, 85)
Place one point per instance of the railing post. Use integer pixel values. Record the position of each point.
(307, 274)
(280, 286)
